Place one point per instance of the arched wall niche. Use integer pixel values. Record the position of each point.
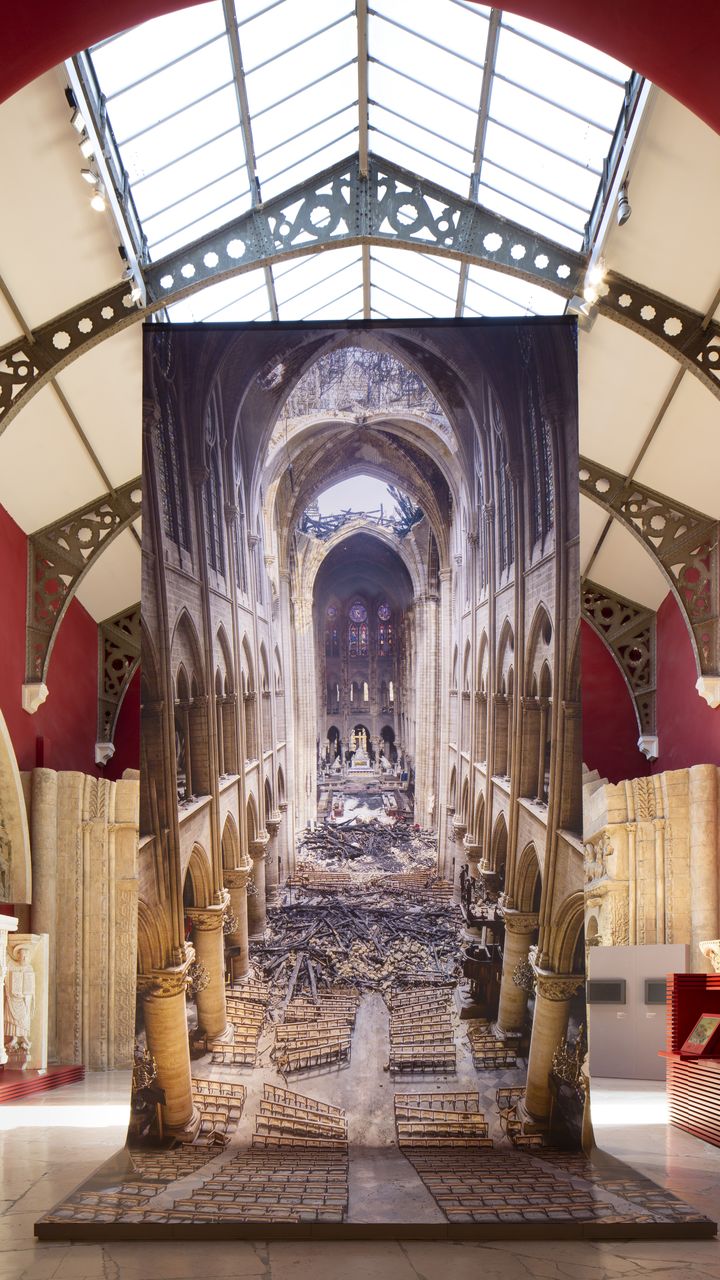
(15, 864)
(198, 877)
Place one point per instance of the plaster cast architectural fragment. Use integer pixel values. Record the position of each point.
(118, 660)
(84, 851)
(59, 556)
(651, 873)
(709, 688)
(34, 693)
(26, 1001)
(15, 861)
(8, 925)
(711, 951)
(683, 541)
(629, 631)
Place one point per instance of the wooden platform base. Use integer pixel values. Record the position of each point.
(15, 1085)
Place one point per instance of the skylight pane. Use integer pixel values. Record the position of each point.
(311, 104)
(180, 135)
(550, 124)
(405, 275)
(557, 78)
(189, 174)
(462, 30)
(519, 294)
(187, 232)
(308, 165)
(533, 197)
(412, 135)
(311, 274)
(315, 138)
(201, 204)
(292, 71)
(143, 49)
(273, 32)
(536, 162)
(423, 60)
(223, 301)
(163, 95)
(394, 306)
(324, 292)
(436, 277)
(568, 45)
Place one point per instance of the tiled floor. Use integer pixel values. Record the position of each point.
(50, 1144)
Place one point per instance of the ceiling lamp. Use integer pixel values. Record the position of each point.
(90, 177)
(98, 201)
(87, 148)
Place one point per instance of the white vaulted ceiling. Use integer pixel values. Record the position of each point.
(77, 438)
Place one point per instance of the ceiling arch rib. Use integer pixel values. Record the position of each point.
(391, 208)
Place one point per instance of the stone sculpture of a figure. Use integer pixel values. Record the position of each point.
(19, 999)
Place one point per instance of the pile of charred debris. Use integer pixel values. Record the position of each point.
(380, 933)
(373, 846)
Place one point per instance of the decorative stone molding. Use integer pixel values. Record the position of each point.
(649, 746)
(165, 983)
(238, 877)
(272, 823)
(709, 688)
(684, 542)
(59, 556)
(118, 660)
(711, 951)
(104, 751)
(595, 858)
(558, 986)
(34, 693)
(628, 630)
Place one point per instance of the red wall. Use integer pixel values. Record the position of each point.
(127, 734)
(61, 734)
(688, 729)
(674, 46)
(610, 730)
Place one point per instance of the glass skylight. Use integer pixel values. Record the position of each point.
(223, 105)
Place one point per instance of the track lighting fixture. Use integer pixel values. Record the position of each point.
(87, 148)
(624, 208)
(77, 120)
(90, 177)
(98, 201)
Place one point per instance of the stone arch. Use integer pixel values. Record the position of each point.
(479, 820)
(269, 803)
(279, 683)
(281, 785)
(198, 878)
(152, 947)
(499, 849)
(230, 844)
(465, 802)
(185, 649)
(452, 788)
(467, 668)
(567, 935)
(539, 648)
(247, 690)
(528, 880)
(15, 864)
(253, 824)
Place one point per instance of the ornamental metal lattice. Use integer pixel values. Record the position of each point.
(684, 543)
(118, 660)
(59, 556)
(629, 631)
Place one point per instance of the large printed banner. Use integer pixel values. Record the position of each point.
(361, 990)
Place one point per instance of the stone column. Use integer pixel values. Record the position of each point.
(8, 924)
(473, 853)
(44, 845)
(704, 864)
(552, 1009)
(257, 912)
(209, 951)
(165, 1017)
(288, 856)
(272, 879)
(519, 929)
(236, 883)
(456, 852)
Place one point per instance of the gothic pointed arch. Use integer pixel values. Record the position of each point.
(15, 864)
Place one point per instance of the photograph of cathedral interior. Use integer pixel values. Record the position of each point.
(451, 102)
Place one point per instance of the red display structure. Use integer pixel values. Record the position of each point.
(693, 1082)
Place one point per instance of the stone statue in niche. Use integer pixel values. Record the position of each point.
(19, 1004)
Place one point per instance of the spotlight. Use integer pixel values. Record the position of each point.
(87, 148)
(596, 274)
(136, 293)
(90, 177)
(624, 208)
(77, 120)
(98, 202)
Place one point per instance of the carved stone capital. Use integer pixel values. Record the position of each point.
(199, 474)
(711, 951)
(258, 846)
(232, 512)
(520, 921)
(253, 540)
(558, 986)
(272, 822)
(104, 751)
(283, 807)
(163, 983)
(206, 918)
(237, 877)
(649, 745)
